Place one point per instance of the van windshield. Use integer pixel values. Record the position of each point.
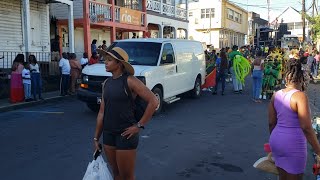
(140, 53)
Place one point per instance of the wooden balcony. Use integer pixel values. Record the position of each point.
(169, 10)
(100, 13)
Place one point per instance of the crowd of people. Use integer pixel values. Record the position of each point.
(283, 77)
(267, 68)
(26, 83)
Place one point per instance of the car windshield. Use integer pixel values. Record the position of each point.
(140, 53)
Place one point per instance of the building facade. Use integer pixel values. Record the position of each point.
(167, 18)
(293, 19)
(101, 20)
(110, 20)
(254, 22)
(218, 23)
(25, 28)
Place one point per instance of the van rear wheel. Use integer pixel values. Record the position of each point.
(196, 91)
(158, 93)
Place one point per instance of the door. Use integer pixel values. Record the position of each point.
(169, 71)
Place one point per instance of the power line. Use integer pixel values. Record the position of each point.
(258, 6)
(278, 6)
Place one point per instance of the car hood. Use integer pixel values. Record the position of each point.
(100, 70)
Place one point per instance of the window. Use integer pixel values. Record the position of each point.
(141, 53)
(298, 25)
(167, 54)
(190, 14)
(230, 14)
(235, 39)
(132, 4)
(236, 16)
(221, 39)
(290, 26)
(231, 39)
(205, 13)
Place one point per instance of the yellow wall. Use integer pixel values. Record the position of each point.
(231, 24)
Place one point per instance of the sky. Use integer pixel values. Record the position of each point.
(276, 6)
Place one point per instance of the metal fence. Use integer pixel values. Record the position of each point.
(49, 64)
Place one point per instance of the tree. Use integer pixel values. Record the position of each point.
(315, 26)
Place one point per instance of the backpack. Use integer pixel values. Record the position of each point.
(139, 105)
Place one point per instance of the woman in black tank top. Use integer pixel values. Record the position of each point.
(116, 120)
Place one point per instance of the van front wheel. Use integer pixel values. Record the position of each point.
(196, 91)
(158, 93)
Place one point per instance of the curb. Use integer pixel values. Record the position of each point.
(21, 105)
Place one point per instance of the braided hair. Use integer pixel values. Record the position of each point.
(294, 73)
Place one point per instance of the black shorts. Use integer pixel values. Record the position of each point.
(121, 142)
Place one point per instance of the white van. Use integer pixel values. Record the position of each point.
(168, 67)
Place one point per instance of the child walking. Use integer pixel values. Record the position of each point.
(26, 80)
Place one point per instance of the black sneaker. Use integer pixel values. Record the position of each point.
(222, 93)
(236, 92)
(240, 91)
(214, 92)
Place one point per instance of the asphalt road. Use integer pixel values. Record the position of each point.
(210, 138)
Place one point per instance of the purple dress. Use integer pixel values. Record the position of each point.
(287, 140)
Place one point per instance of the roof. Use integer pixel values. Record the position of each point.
(235, 5)
(154, 40)
(285, 11)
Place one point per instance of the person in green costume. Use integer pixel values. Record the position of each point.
(237, 85)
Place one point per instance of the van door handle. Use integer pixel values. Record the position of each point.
(176, 68)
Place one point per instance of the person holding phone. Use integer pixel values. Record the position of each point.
(116, 120)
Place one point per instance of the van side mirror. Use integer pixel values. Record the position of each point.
(168, 59)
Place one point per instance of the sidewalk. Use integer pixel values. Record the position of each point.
(5, 104)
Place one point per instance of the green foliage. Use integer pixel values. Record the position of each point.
(315, 26)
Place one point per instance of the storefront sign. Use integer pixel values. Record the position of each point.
(129, 16)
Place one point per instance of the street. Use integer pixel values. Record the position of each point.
(210, 138)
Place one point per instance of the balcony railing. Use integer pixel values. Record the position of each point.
(181, 13)
(100, 13)
(169, 10)
(154, 6)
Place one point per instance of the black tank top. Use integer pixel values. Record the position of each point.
(118, 109)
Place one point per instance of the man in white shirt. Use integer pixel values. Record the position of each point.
(65, 68)
(84, 60)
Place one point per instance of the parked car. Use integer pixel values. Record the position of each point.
(168, 67)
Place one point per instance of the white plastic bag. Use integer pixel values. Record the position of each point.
(97, 170)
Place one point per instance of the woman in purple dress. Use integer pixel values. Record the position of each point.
(290, 125)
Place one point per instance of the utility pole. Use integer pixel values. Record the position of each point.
(210, 26)
(314, 8)
(303, 20)
(268, 2)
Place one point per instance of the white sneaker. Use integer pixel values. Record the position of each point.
(260, 97)
(264, 97)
